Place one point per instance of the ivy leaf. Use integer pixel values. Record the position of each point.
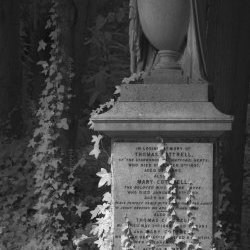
(218, 224)
(95, 212)
(81, 162)
(63, 124)
(218, 235)
(107, 197)
(169, 168)
(189, 213)
(59, 216)
(168, 237)
(192, 206)
(54, 34)
(110, 103)
(169, 220)
(172, 181)
(1, 230)
(71, 190)
(117, 90)
(161, 161)
(80, 209)
(190, 223)
(190, 246)
(100, 22)
(96, 151)
(110, 160)
(169, 208)
(224, 206)
(176, 225)
(91, 124)
(179, 241)
(64, 237)
(198, 247)
(167, 175)
(160, 147)
(192, 194)
(44, 64)
(169, 196)
(173, 213)
(173, 191)
(42, 45)
(226, 188)
(173, 201)
(194, 238)
(77, 241)
(61, 89)
(32, 143)
(58, 78)
(48, 24)
(105, 177)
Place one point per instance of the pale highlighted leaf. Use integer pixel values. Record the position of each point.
(176, 225)
(96, 150)
(161, 161)
(117, 90)
(167, 175)
(160, 147)
(198, 247)
(107, 197)
(105, 177)
(168, 237)
(179, 241)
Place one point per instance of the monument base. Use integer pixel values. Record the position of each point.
(188, 124)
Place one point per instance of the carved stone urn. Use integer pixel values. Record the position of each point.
(165, 24)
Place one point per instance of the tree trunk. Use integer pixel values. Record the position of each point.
(85, 14)
(228, 55)
(10, 67)
(76, 18)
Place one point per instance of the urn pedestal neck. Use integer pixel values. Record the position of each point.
(165, 24)
(168, 59)
(167, 70)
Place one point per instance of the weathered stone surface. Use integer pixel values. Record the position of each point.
(175, 110)
(166, 76)
(164, 93)
(140, 190)
(178, 118)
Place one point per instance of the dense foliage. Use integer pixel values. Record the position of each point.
(48, 187)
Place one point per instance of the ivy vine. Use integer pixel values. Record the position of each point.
(56, 208)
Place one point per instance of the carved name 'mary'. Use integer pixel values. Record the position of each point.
(140, 191)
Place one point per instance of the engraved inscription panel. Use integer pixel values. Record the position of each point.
(140, 190)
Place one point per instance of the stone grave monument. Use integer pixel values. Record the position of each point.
(175, 110)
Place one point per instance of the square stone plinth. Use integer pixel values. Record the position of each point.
(140, 191)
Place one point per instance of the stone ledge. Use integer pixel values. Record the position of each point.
(166, 92)
(173, 118)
